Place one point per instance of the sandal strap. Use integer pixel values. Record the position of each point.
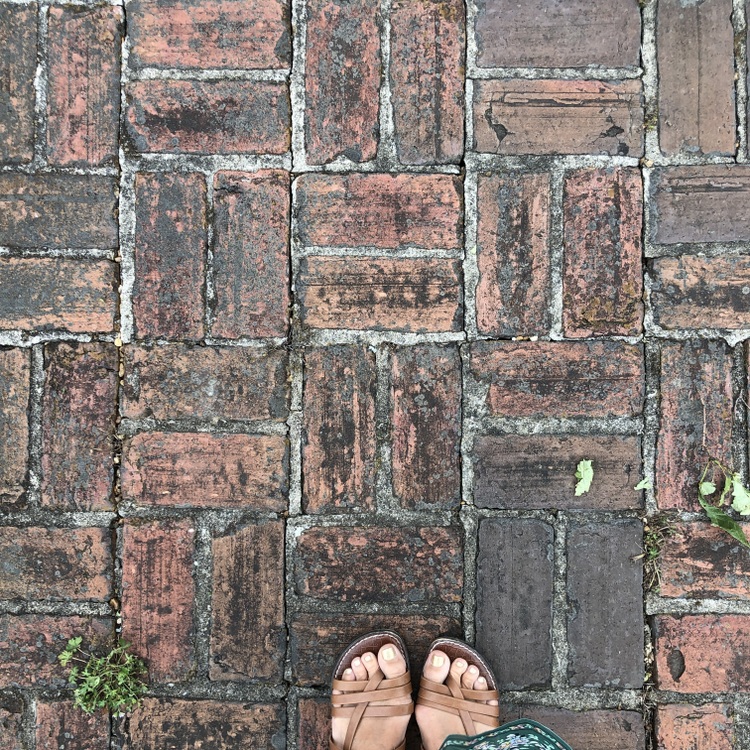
(333, 746)
(470, 705)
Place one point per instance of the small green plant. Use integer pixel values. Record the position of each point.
(114, 681)
(712, 500)
(656, 531)
(584, 475)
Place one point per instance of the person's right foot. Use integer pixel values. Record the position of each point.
(435, 725)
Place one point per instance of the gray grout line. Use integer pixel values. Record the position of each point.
(207, 163)
(378, 252)
(651, 423)
(470, 265)
(739, 21)
(34, 168)
(68, 253)
(557, 176)
(329, 336)
(297, 84)
(612, 425)
(650, 79)
(210, 289)
(657, 605)
(470, 522)
(202, 575)
(560, 650)
(35, 428)
(385, 501)
(386, 152)
(739, 413)
(481, 161)
(129, 427)
(127, 250)
(40, 89)
(272, 75)
(590, 72)
(295, 425)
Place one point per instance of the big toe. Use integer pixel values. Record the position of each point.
(437, 666)
(391, 662)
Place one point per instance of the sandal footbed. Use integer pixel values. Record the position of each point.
(455, 649)
(370, 642)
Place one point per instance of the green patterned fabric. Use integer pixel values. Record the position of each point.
(523, 734)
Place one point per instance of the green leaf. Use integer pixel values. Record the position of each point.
(644, 484)
(719, 518)
(707, 488)
(74, 643)
(741, 501)
(584, 475)
(727, 488)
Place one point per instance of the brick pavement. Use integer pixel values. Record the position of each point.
(309, 309)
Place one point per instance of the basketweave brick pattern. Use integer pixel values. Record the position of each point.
(309, 310)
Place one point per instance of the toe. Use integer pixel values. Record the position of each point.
(436, 667)
(359, 669)
(370, 662)
(481, 684)
(391, 661)
(348, 675)
(469, 677)
(458, 668)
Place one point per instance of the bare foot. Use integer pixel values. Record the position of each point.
(375, 733)
(435, 725)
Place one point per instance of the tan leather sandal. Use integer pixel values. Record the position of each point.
(354, 700)
(470, 705)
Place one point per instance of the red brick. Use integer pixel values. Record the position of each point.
(696, 418)
(420, 295)
(602, 275)
(51, 210)
(426, 429)
(214, 117)
(29, 645)
(183, 469)
(702, 653)
(685, 727)
(604, 594)
(44, 294)
(240, 34)
(61, 726)
(542, 34)
(157, 596)
(317, 640)
(248, 642)
(314, 727)
(61, 564)
(538, 471)
(515, 566)
(695, 55)
(338, 450)
(593, 730)
(78, 421)
(700, 292)
(570, 379)
(15, 374)
(380, 210)
(351, 564)
(170, 255)
(427, 69)
(558, 117)
(17, 69)
(342, 80)
(83, 96)
(700, 204)
(11, 723)
(180, 381)
(513, 254)
(251, 254)
(170, 723)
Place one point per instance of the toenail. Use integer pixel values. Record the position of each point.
(367, 657)
(347, 671)
(437, 661)
(356, 662)
(389, 654)
(460, 663)
(473, 670)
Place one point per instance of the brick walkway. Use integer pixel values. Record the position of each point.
(308, 311)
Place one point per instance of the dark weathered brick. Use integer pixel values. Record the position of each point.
(251, 254)
(702, 653)
(342, 78)
(83, 96)
(18, 24)
(540, 33)
(514, 600)
(695, 55)
(62, 726)
(696, 418)
(157, 596)
(235, 34)
(185, 469)
(50, 210)
(426, 428)
(699, 292)
(78, 422)
(604, 593)
(380, 210)
(161, 723)
(317, 641)
(427, 66)
(170, 255)
(513, 254)
(685, 727)
(700, 204)
(418, 295)
(602, 274)
(15, 373)
(561, 379)
(338, 450)
(63, 564)
(351, 564)
(45, 294)
(11, 721)
(314, 726)
(248, 642)
(31, 644)
(593, 730)
(214, 117)
(182, 381)
(558, 117)
(538, 471)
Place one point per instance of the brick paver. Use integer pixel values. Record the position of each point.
(309, 310)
